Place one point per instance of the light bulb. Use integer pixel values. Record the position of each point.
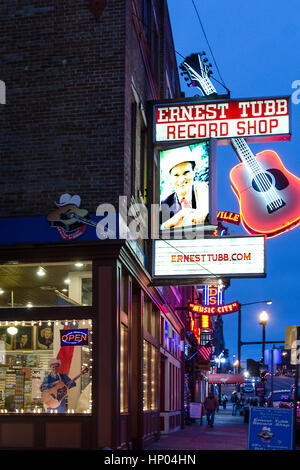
(12, 330)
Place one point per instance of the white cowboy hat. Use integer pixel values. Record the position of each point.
(173, 157)
(54, 361)
(68, 199)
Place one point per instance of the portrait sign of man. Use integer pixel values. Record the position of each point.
(184, 185)
(24, 338)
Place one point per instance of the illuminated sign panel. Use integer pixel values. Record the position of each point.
(214, 310)
(267, 192)
(74, 337)
(259, 118)
(187, 185)
(242, 256)
(205, 322)
(213, 295)
(229, 217)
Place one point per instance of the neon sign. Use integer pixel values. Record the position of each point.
(214, 310)
(74, 337)
(269, 201)
(230, 217)
(205, 322)
(213, 295)
(195, 329)
(268, 194)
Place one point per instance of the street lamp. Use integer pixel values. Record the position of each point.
(264, 317)
(235, 366)
(268, 302)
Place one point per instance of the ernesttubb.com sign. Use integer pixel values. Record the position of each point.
(225, 256)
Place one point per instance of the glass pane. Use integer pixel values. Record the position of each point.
(46, 284)
(154, 317)
(146, 316)
(154, 378)
(146, 377)
(124, 370)
(45, 367)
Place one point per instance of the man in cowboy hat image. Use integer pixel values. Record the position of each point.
(188, 203)
(52, 379)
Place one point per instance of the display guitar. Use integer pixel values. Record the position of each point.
(52, 397)
(69, 217)
(268, 194)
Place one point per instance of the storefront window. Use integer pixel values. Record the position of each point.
(150, 377)
(46, 284)
(154, 378)
(124, 370)
(146, 381)
(45, 367)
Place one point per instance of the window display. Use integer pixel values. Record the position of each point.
(45, 366)
(124, 370)
(150, 376)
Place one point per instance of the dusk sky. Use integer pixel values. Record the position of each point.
(256, 48)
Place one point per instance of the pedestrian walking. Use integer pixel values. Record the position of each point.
(235, 403)
(224, 400)
(211, 405)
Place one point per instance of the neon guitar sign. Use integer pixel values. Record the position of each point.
(268, 194)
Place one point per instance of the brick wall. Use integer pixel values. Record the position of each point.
(66, 127)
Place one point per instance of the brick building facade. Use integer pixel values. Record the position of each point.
(75, 86)
(78, 77)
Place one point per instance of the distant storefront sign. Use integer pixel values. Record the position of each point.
(260, 389)
(226, 378)
(292, 342)
(215, 310)
(270, 429)
(213, 295)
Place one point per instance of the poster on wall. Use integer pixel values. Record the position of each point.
(24, 338)
(45, 337)
(187, 188)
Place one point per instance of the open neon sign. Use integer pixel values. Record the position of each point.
(74, 337)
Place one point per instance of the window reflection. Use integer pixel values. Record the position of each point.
(46, 284)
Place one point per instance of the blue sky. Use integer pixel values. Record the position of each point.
(256, 47)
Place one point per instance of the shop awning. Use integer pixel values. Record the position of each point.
(226, 378)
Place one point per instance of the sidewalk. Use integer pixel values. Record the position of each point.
(229, 433)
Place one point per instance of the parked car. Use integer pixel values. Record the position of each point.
(285, 399)
(278, 397)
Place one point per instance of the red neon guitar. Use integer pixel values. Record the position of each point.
(268, 194)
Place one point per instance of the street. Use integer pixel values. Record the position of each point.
(280, 382)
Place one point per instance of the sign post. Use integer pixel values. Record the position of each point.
(270, 429)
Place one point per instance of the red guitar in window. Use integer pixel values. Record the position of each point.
(268, 194)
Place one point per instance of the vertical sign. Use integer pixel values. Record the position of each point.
(270, 429)
(213, 295)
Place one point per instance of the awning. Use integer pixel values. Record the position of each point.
(226, 378)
